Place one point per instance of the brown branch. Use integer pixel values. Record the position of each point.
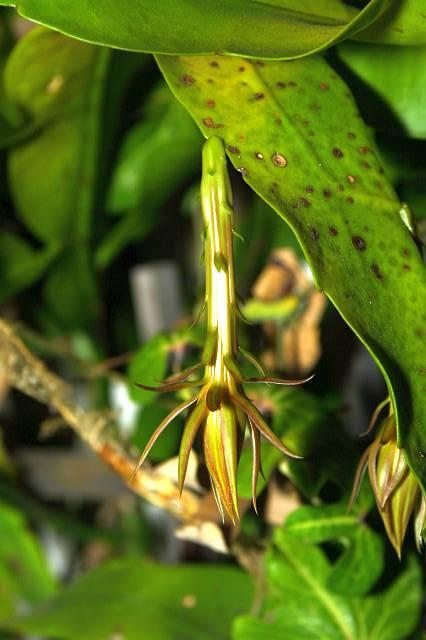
(28, 374)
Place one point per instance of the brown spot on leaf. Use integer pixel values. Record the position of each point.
(281, 85)
(359, 243)
(324, 86)
(350, 200)
(351, 135)
(364, 150)
(309, 189)
(327, 193)
(209, 122)
(376, 270)
(304, 202)
(187, 80)
(315, 234)
(210, 103)
(333, 231)
(232, 149)
(259, 95)
(214, 64)
(337, 153)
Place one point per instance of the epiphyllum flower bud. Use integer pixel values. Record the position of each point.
(222, 410)
(398, 494)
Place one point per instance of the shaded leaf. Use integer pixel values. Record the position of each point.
(289, 28)
(282, 125)
(156, 156)
(59, 83)
(24, 575)
(398, 77)
(297, 418)
(404, 23)
(20, 264)
(148, 366)
(132, 597)
(150, 416)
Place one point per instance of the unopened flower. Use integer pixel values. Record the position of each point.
(220, 409)
(396, 489)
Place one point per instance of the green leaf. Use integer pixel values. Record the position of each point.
(20, 264)
(397, 75)
(58, 82)
(404, 23)
(69, 290)
(300, 606)
(157, 155)
(294, 132)
(394, 613)
(148, 366)
(144, 177)
(361, 561)
(289, 28)
(24, 576)
(136, 599)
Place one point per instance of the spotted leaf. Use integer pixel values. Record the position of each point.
(293, 131)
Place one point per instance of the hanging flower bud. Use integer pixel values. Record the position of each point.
(397, 491)
(221, 409)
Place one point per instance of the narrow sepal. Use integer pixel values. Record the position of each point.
(159, 430)
(254, 415)
(167, 388)
(281, 381)
(192, 425)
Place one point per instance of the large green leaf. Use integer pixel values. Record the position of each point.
(300, 606)
(288, 28)
(293, 131)
(398, 77)
(136, 599)
(24, 575)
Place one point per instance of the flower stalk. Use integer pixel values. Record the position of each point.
(220, 409)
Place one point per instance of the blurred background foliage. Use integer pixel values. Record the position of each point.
(101, 279)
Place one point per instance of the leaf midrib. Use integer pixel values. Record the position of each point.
(322, 595)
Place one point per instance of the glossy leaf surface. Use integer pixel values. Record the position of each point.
(135, 598)
(293, 131)
(289, 28)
